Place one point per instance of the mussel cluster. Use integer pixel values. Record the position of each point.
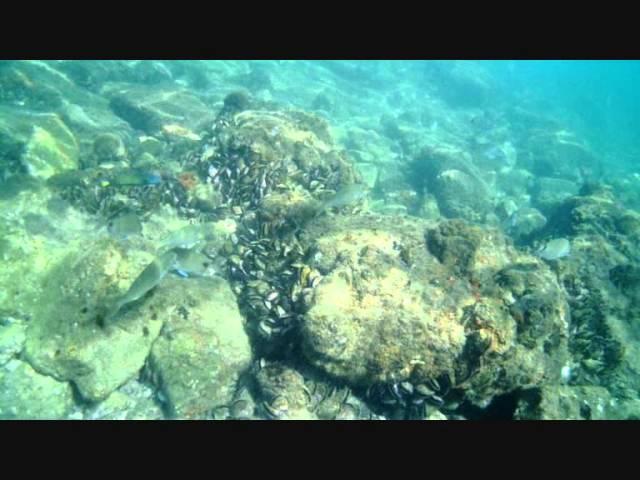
(266, 261)
(591, 341)
(99, 192)
(411, 401)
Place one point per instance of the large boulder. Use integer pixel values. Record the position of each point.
(203, 348)
(548, 193)
(601, 276)
(563, 402)
(154, 109)
(461, 83)
(461, 195)
(65, 339)
(12, 336)
(457, 302)
(28, 395)
(560, 154)
(132, 401)
(39, 145)
(448, 173)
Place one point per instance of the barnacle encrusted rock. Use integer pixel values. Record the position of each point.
(397, 304)
(273, 161)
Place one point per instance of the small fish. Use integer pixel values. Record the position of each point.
(125, 225)
(555, 249)
(346, 196)
(188, 237)
(37, 224)
(76, 114)
(150, 277)
(181, 273)
(190, 263)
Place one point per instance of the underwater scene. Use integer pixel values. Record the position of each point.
(319, 240)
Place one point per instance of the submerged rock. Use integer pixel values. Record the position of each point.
(549, 193)
(600, 280)
(149, 108)
(64, 338)
(36, 144)
(572, 403)
(462, 196)
(461, 83)
(280, 163)
(203, 348)
(12, 336)
(448, 173)
(524, 223)
(515, 182)
(28, 395)
(132, 401)
(108, 147)
(463, 306)
(553, 152)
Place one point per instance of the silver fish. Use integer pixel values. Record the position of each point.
(188, 237)
(346, 196)
(125, 225)
(150, 277)
(555, 249)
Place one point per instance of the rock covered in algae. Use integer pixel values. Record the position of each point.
(448, 172)
(524, 222)
(65, 339)
(462, 196)
(29, 395)
(595, 211)
(562, 402)
(549, 193)
(150, 108)
(601, 280)
(203, 348)
(558, 153)
(397, 305)
(12, 336)
(39, 145)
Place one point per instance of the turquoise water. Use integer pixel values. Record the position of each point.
(319, 240)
